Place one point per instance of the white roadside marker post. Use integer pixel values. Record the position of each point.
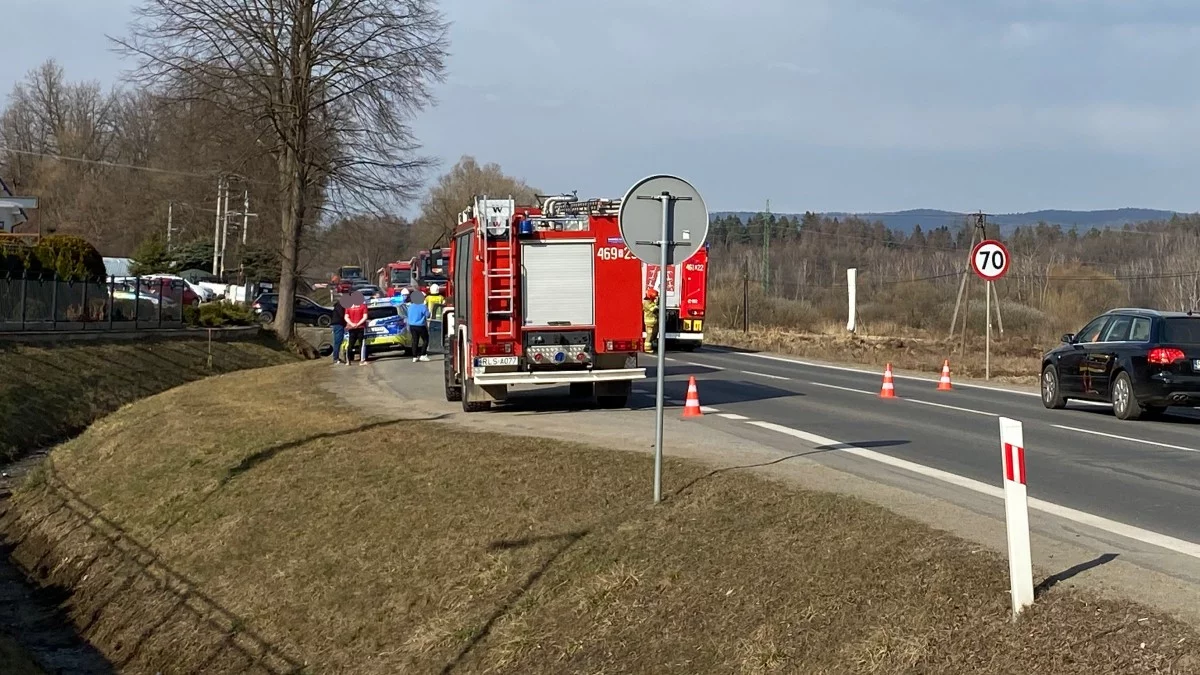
(1016, 514)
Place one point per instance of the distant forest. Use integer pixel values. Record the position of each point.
(1058, 276)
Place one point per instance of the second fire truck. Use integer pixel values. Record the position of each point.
(544, 294)
(686, 297)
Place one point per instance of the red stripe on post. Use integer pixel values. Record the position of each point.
(1021, 462)
(1008, 462)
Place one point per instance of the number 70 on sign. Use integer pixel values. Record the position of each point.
(990, 260)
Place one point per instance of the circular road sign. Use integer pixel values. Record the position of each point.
(641, 216)
(990, 260)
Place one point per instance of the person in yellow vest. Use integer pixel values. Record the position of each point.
(650, 318)
(434, 300)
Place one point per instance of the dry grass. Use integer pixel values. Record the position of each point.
(1014, 360)
(246, 516)
(49, 393)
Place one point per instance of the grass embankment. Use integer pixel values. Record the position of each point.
(200, 530)
(1015, 360)
(49, 393)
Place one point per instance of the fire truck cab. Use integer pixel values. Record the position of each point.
(545, 294)
(686, 297)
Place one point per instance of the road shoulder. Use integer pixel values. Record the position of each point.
(1064, 553)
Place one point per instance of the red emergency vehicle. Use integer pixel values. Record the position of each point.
(545, 294)
(686, 297)
(394, 276)
(430, 267)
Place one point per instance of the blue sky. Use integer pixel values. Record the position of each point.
(846, 105)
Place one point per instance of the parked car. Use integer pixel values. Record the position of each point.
(307, 311)
(1139, 360)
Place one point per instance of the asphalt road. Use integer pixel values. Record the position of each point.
(1081, 462)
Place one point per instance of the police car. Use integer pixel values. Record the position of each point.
(387, 327)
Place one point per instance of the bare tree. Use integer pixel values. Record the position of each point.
(331, 84)
(453, 192)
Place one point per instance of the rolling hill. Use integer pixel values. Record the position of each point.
(930, 218)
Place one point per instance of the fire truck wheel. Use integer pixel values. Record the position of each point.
(472, 406)
(582, 390)
(689, 346)
(453, 392)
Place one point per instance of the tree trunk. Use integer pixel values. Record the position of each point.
(290, 218)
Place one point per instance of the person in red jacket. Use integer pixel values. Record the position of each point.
(356, 325)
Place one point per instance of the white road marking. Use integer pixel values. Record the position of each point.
(766, 375)
(834, 386)
(708, 409)
(1125, 438)
(733, 416)
(872, 372)
(951, 407)
(702, 365)
(1111, 526)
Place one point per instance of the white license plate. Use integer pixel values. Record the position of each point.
(496, 361)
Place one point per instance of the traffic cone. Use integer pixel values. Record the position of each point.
(691, 407)
(889, 389)
(944, 383)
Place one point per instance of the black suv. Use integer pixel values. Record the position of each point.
(1141, 360)
(307, 311)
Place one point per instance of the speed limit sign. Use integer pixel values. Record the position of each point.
(989, 259)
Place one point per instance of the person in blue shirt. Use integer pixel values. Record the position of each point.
(418, 329)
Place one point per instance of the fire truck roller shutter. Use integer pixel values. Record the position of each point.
(558, 283)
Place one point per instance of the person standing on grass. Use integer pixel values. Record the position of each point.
(418, 329)
(338, 325)
(356, 324)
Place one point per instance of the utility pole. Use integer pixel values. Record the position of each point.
(224, 232)
(170, 229)
(766, 264)
(216, 266)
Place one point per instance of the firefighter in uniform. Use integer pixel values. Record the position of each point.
(650, 318)
(435, 301)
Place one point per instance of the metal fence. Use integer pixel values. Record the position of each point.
(33, 303)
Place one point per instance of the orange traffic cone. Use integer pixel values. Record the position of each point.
(691, 407)
(889, 389)
(944, 383)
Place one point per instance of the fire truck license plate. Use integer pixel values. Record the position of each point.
(496, 361)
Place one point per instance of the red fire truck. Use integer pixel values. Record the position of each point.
(394, 276)
(686, 296)
(430, 267)
(545, 294)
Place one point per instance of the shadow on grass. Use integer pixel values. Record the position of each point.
(1071, 572)
(35, 616)
(807, 453)
(232, 643)
(568, 540)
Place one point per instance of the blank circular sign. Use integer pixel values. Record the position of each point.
(641, 216)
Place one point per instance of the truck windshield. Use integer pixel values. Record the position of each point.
(400, 277)
(349, 273)
(1181, 330)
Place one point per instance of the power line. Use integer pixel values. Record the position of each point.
(101, 162)
(132, 167)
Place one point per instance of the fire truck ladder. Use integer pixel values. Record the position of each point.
(499, 273)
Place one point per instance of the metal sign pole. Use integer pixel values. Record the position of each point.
(987, 348)
(651, 237)
(665, 242)
(660, 373)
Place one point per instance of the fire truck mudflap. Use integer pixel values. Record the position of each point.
(542, 295)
